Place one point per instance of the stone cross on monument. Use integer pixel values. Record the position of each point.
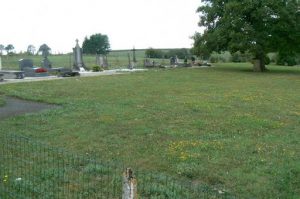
(133, 55)
(78, 64)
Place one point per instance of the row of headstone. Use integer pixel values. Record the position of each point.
(78, 64)
(29, 70)
(26, 65)
(173, 62)
(150, 64)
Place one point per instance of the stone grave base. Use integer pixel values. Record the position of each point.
(6, 74)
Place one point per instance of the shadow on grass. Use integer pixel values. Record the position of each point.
(247, 68)
(285, 70)
(14, 106)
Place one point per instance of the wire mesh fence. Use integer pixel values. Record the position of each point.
(118, 59)
(29, 169)
(115, 60)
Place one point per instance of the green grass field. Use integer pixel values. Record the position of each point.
(224, 126)
(2, 101)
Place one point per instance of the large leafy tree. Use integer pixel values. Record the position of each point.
(31, 49)
(96, 44)
(257, 26)
(45, 50)
(9, 48)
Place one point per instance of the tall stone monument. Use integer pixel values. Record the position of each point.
(130, 63)
(0, 63)
(78, 64)
(133, 54)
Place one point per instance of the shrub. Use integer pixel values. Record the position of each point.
(286, 58)
(96, 68)
(214, 57)
(273, 57)
(236, 57)
(154, 53)
(220, 57)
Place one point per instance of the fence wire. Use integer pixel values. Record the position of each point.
(30, 169)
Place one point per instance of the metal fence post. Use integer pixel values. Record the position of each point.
(129, 185)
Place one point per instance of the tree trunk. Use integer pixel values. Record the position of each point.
(259, 65)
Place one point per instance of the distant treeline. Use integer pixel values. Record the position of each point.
(167, 53)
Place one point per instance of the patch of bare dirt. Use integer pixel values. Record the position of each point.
(14, 107)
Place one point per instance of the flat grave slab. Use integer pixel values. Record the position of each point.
(12, 74)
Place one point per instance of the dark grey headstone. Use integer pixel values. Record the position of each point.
(25, 64)
(172, 61)
(46, 63)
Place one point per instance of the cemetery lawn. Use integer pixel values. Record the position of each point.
(224, 126)
(2, 101)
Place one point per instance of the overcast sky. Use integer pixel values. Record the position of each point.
(127, 23)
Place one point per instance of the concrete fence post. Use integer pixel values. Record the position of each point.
(129, 185)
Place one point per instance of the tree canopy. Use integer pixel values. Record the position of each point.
(257, 26)
(96, 44)
(45, 50)
(9, 48)
(31, 49)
